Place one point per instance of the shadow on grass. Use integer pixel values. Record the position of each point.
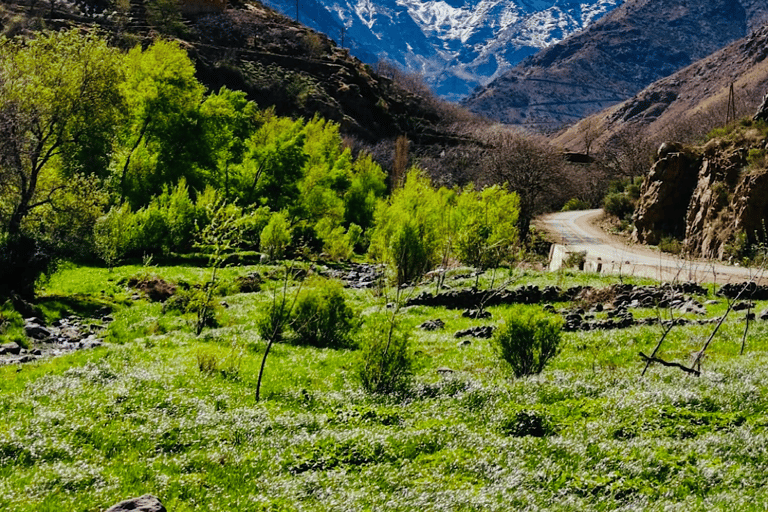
(58, 306)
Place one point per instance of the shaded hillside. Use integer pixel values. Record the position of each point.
(689, 103)
(276, 61)
(636, 44)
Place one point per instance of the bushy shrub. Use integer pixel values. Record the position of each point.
(619, 205)
(112, 234)
(410, 252)
(575, 204)
(276, 236)
(526, 423)
(322, 318)
(386, 361)
(527, 341)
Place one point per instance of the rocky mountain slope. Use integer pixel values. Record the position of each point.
(455, 44)
(688, 103)
(276, 61)
(614, 58)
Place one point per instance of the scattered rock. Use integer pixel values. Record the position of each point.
(476, 314)
(444, 370)
(743, 305)
(464, 343)
(36, 331)
(10, 348)
(481, 331)
(432, 325)
(763, 315)
(146, 503)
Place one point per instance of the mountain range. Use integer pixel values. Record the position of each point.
(456, 45)
(613, 59)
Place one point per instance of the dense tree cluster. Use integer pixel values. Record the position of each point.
(125, 154)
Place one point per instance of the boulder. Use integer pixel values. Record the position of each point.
(37, 331)
(10, 348)
(146, 503)
(432, 325)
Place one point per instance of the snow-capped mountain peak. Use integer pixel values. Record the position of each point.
(456, 44)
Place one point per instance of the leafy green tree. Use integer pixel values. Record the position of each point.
(367, 186)
(407, 233)
(228, 119)
(159, 143)
(58, 101)
(273, 164)
(487, 226)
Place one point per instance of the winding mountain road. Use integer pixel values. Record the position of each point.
(577, 231)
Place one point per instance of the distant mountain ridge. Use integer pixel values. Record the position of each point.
(614, 58)
(456, 44)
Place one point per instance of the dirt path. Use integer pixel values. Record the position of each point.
(577, 231)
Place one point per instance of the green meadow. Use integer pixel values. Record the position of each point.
(159, 410)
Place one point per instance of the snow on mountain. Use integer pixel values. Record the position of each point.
(455, 44)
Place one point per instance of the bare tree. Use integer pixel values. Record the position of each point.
(528, 166)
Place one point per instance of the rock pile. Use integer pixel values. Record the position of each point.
(358, 275)
(744, 290)
(619, 295)
(64, 335)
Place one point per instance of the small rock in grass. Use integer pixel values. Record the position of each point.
(464, 343)
(37, 331)
(146, 503)
(432, 325)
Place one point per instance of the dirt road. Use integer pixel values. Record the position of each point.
(577, 231)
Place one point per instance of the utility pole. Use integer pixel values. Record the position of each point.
(731, 112)
(343, 29)
(297, 11)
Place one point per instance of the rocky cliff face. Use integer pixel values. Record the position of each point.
(712, 197)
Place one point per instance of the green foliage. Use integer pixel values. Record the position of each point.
(619, 205)
(386, 360)
(574, 204)
(671, 245)
(757, 159)
(58, 111)
(406, 233)
(160, 141)
(112, 234)
(276, 236)
(273, 164)
(575, 260)
(527, 423)
(322, 317)
(487, 232)
(527, 341)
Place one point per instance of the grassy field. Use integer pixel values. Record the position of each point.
(83, 431)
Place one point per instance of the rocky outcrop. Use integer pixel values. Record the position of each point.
(711, 197)
(708, 220)
(665, 195)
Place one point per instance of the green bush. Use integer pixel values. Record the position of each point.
(619, 205)
(276, 236)
(671, 245)
(322, 318)
(386, 362)
(527, 341)
(574, 204)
